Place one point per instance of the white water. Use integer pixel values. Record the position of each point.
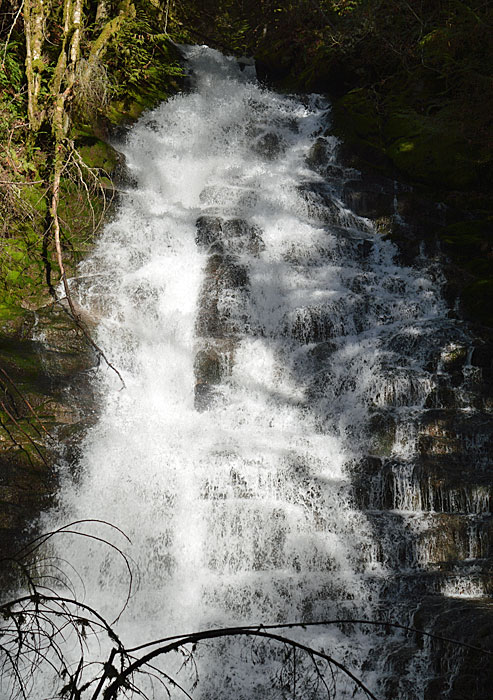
(240, 512)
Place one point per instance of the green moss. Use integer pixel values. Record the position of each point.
(357, 111)
(435, 157)
(81, 212)
(477, 300)
(468, 235)
(21, 272)
(120, 112)
(35, 197)
(98, 154)
(15, 321)
(427, 148)
(470, 244)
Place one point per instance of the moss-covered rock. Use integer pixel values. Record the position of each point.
(99, 154)
(44, 363)
(430, 151)
(425, 148)
(469, 244)
(358, 110)
(477, 298)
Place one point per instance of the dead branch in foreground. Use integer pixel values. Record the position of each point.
(40, 620)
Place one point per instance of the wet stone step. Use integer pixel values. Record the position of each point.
(348, 314)
(339, 244)
(412, 541)
(399, 386)
(221, 317)
(321, 157)
(213, 362)
(433, 347)
(223, 292)
(235, 236)
(267, 593)
(234, 200)
(430, 483)
(322, 204)
(460, 580)
(449, 432)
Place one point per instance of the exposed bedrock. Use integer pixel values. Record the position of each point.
(225, 282)
(47, 404)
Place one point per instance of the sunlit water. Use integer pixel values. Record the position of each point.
(297, 327)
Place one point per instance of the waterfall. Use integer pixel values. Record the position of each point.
(273, 353)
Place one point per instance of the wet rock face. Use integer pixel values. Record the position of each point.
(45, 365)
(212, 364)
(320, 202)
(458, 674)
(216, 235)
(269, 146)
(372, 197)
(225, 282)
(224, 278)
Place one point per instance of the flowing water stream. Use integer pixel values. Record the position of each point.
(272, 351)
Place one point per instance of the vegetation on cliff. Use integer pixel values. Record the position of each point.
(69, 72)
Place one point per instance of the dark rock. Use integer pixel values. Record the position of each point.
(482, 357)
(371, 197)
(445, 432)
(223, 277)
(470, 622)
(226, 272)
(269, 146)
(237, 236)
(322, 351)
(381, 429)
(204, 396)
(319, 154)
(207, 366)
(310, 325)
(45, 390)
(320, 201)
(243, 236)
(442, 396)
(209, 231)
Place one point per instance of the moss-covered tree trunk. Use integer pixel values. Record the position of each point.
(49, 102)
(35, 12)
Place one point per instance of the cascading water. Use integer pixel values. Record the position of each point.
(269, 344)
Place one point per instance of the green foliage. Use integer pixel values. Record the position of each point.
(12, 73)
(142, 66)
(20, 271)
(12, 103)
(342, 7)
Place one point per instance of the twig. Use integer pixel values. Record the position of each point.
(322, 623)
(15, 422)
(55, 221)
(31, 182)
(16, 388)
(113, 688)
(79, 323)
(7, 41)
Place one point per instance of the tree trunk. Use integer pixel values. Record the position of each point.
(34, 23)
(126, 10)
